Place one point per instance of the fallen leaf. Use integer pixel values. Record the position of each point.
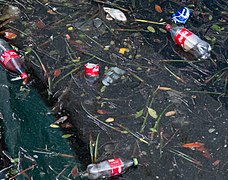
(123, 50)
(152, 113)
(40, 24)
(51, 12)
(102, 111)
(199, 147)
(66, 125)
(151, 29)
(193, 145)
(10, 35)
(158, 8)
(216, 163)
(165, 88)
(65, 136)
(110, 119)
(54, 125)
(57, 72)
(139, 113)
(170, 113)
(74, 171)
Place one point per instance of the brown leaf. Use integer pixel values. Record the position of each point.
(66, 125)
(74, 171)
(40, 24)
(102, 111)
(170, 113)
(158, 8)
(10, 35)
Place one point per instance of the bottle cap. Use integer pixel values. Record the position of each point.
(181, 16)
(168, 27)
(135, 161)
(23, 75)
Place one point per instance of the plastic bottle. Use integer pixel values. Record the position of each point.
(91, 72)
(112, 75)
(111, 167)
(189, 41)
(10, 60)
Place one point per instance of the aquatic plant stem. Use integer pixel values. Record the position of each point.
(147, 113)
(158, 121)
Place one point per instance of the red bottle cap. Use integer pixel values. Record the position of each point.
(168, 27)
(91, 69)
(23, 75)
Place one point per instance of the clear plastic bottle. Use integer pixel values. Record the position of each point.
(10, 60)
(189, 42)
(108, 168)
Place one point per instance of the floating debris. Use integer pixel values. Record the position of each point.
(181, 16)
(114, 14)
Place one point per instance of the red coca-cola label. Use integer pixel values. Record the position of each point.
(7, 56)
(91, 69)
(116, 166)
(181, 36)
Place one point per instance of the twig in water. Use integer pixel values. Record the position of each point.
(23, 171)
(177, 77)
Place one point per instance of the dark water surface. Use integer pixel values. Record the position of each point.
(200, 107)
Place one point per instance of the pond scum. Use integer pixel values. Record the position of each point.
(168, 109)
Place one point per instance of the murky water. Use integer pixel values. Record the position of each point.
(150, 85)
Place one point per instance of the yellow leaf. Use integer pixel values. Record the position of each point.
(67, 135)
(123, 50)
(110, 119)
(54, 125)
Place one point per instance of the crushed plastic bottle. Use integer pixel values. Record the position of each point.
(109, 168)
(10, 60)
(91, 72)
(182, 15)
(189, 42)
(112, 75)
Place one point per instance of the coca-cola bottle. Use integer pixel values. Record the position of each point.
(108, 168)
(189, 41)
(10, 60)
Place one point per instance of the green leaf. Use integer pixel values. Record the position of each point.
(152, 113)
(210, 17)
(162, 30)
(139, 113)
(216, 27)
(65, 136)
(151, 29)
(103, 88)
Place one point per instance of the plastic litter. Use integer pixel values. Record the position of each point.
(115, 14)
(181, 16)
(112, 75)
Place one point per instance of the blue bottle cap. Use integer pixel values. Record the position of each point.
(181, 16)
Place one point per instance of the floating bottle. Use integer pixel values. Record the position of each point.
(10, 60)
(189, 42)
(91, 72)
(111, 167)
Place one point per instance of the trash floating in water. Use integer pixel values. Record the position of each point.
(109, 168)
(181, 16)
(114, 14)
(189, 42)
(91, 72)
(113, 74)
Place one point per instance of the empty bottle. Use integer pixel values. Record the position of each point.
(189, 41)
(10, 60)
(111, 167)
